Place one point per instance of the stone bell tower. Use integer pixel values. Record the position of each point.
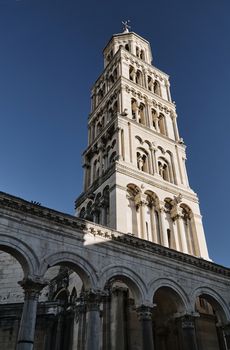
(135, 178)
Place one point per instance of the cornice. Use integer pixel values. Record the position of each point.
(152, 181)
(147, 246)
(21, 206)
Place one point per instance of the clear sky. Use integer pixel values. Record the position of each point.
(50, 56)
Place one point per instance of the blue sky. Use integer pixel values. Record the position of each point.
(51, 54)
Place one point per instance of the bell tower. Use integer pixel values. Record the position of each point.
(135, 178)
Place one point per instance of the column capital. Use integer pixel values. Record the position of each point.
(145, 312)
(91, 299)
(226, 328)
(32, 287)
(188, 320)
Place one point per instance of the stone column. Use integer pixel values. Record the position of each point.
(164, 236)
(153, 166)
(26, 332)
(226, 332)
(118, 333)
(188, 332)
(145, 317)
(141, 202)
(92, 301)
(183, 239)
(106, 322)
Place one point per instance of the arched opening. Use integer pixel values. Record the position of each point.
(142, 55)
(82, 213)
(134, 108)
(88, 213)
(143, 160)
(167, 332)
(157, 88)
(106, 206)
(139, 77)
(150, 83)
(209, 330)
(60, 322)
(13, 268)
(131, 73)
(161, 124)
(141, 114)
(120, 320)
(163, 168)
(127, 47)
(154, 119)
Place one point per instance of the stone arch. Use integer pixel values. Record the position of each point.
(78, 264)
(22, 252)
(129, 277)
(217, 302)
(156, 284)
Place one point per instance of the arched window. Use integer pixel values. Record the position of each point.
(131, 73)
(111, 80)
(156, 87)
(142, 55)
(112, 158)
(141, 113)
(143, 161)
(163, 167)
(115, 108)
(161, 124)
(127, 47)
(106, 205)
(134, 108)
(139, 78)
(150, 83)
(82, 213)
(115, 74)
(137, 51)
(88, 214)
(154, 118)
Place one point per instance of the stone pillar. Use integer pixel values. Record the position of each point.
(153, 166)
(164, 236)
(226, 332)
(92, 301)
(118, 332)
(145, 317)
(106, 322)
(141, 202)
(188, 333)
(26, 332)
(183, 239)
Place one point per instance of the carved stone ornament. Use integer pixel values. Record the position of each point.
(144, 313)
(32, 288)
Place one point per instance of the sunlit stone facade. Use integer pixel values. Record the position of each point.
(135, 176)
(131, 270)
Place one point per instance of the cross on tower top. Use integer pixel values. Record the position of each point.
(126, 26)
